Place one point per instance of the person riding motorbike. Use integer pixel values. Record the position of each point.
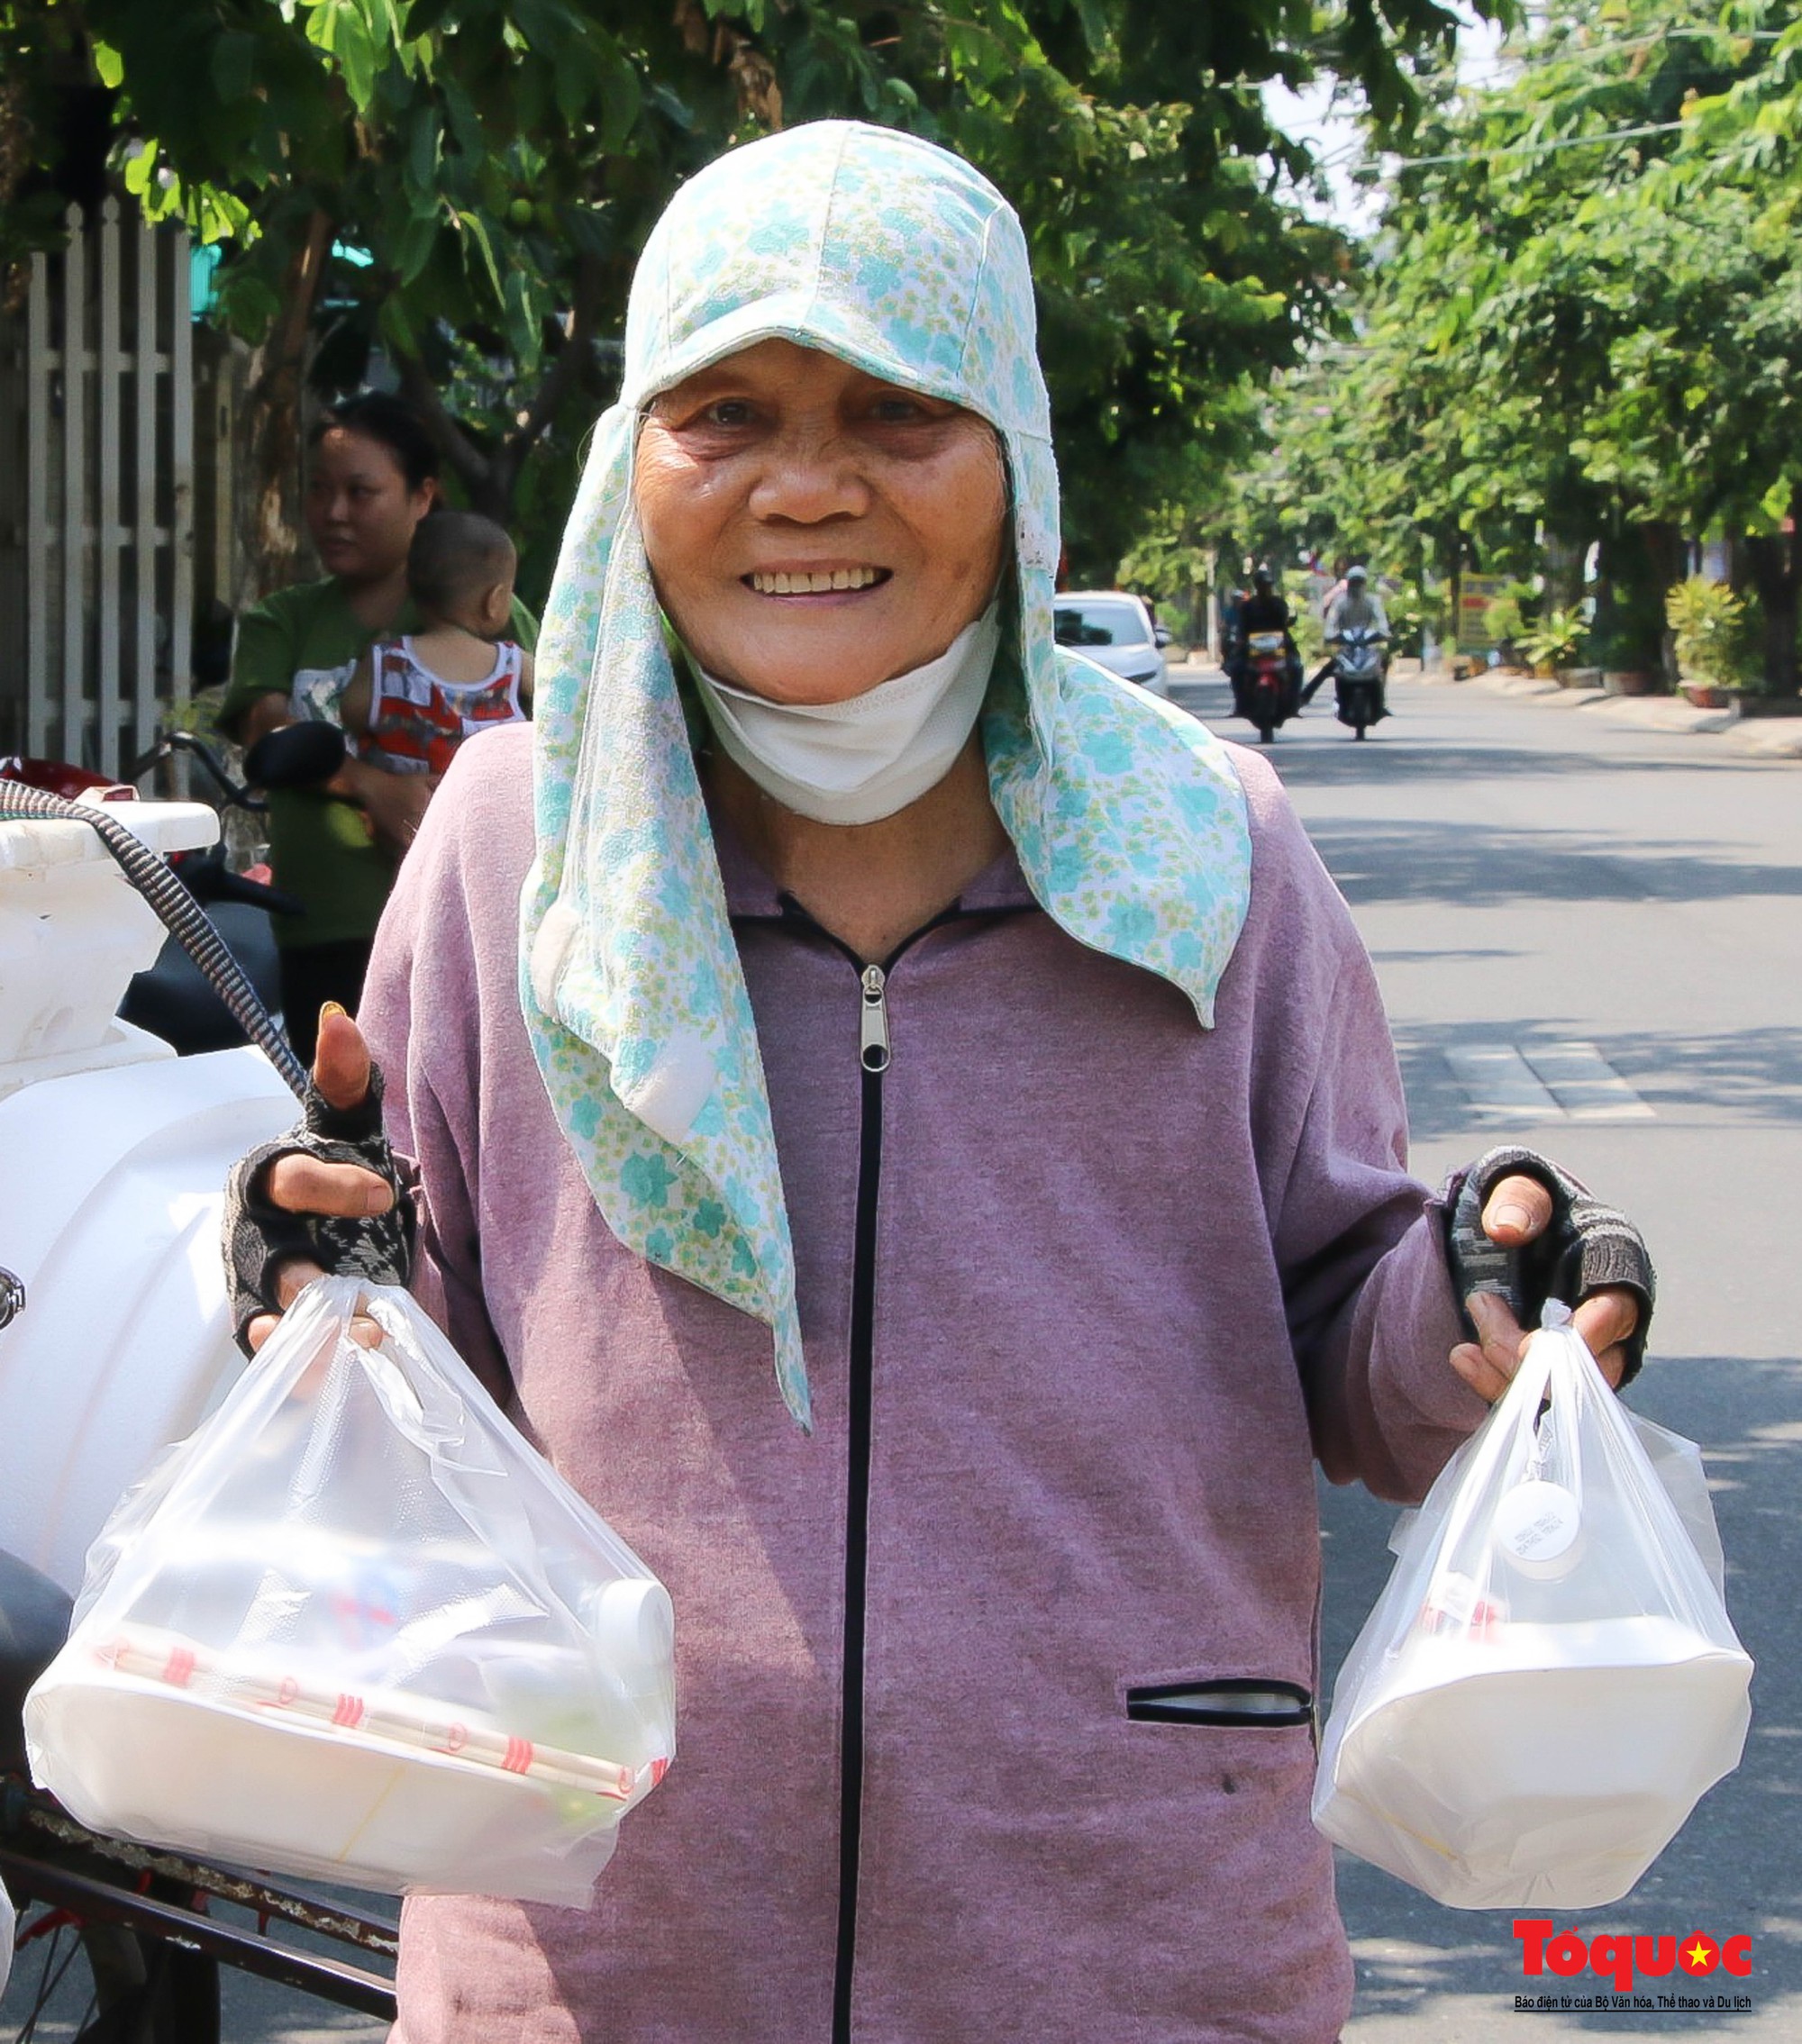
(1357, 604)
(1262, 611)
(1356, 607)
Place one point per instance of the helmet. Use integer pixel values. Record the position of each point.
(1261, 577)
(1357, 572)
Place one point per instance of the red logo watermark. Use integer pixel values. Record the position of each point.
(1624, 1960)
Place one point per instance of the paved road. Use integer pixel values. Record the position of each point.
(1526, 876)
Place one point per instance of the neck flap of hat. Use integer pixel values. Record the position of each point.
(1128, 820)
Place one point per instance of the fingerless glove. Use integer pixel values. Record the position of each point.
(1587, 1247)
(258, 1237)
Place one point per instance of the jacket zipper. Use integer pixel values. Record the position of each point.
(873, 1054)
(873, 1058)
(874, 1051)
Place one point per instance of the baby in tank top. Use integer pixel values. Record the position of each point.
(412, 700)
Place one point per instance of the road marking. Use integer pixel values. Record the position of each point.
(1501, 1083)
(1547, 1081)
(1588, 1088)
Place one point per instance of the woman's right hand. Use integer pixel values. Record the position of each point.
(327, 1197)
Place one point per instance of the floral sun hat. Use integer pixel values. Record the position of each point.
(1126, 815)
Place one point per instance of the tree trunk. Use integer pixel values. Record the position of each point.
(1775, 561)
(1666, 551)
(274, 537)
(1636, 569)
(1565, 553)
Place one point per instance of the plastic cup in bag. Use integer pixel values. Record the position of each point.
(1549, 1681)
(356, 1628)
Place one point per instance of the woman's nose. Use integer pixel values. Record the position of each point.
(809, 476)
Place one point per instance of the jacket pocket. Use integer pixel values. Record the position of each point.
(1245, 1702)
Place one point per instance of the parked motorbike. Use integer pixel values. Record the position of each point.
(1265, 688)
(1358, 677)
(172, 998)
(114, 1338)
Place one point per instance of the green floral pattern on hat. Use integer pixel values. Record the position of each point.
(1126, 815)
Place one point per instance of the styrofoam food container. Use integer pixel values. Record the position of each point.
(1553, 1774)
(166, 1766)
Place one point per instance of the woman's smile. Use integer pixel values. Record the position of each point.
(813, 581)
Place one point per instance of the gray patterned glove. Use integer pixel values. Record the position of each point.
(1587, 1247)
(258, 1237)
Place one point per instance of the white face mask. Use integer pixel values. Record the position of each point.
(858, 762)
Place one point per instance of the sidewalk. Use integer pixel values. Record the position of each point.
(1767, 738)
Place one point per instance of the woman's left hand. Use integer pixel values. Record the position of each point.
(1517, 1211)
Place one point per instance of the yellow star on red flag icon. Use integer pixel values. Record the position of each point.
(1700, 1955)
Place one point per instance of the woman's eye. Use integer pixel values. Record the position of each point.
(728, 412)
(898, 411)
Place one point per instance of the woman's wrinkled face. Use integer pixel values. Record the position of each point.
(360, 510)
(812, 529)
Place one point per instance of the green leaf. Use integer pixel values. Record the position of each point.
(248, 304)
(415, 243)
(109, 65)
(475, 227)
(466, 124)
(590, 230)
(140, 169)
(233, 64)
(540, 26)
(621, 103)
(422, 154)
(336, 27)
(522, 322)
(396, 327)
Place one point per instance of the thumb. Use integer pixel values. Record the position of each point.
(340, 1063)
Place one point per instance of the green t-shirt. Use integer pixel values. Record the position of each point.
(304, 643)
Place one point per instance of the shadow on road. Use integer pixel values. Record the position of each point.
(1734, 1079)
(1438, 862)
(1318, 751)
(1330, 765)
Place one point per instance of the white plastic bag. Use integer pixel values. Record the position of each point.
(9, 1928)
(1549, 1680)
(356, 1628)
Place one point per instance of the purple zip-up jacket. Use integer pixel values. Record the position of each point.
(1085, 1289)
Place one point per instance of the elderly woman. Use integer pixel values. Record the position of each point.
(902, 993)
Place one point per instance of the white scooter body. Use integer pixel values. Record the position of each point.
(112, 1160)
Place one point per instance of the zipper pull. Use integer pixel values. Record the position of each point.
(873, 1041)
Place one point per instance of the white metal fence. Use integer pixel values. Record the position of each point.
(96, 495)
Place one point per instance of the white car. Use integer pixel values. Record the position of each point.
(1114, 631)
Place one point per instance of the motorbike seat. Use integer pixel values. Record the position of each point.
(34, 1615)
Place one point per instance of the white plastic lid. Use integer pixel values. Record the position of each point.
(1539, 1529)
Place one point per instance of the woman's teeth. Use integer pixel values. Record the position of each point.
(815, 585)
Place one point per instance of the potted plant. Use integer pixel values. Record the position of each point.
(1507, 627)
(1707, 620)
(1554, 642)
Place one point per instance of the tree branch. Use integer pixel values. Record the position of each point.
(562, 374)
(476, 469)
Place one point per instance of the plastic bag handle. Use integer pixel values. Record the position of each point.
(1518, 1407)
